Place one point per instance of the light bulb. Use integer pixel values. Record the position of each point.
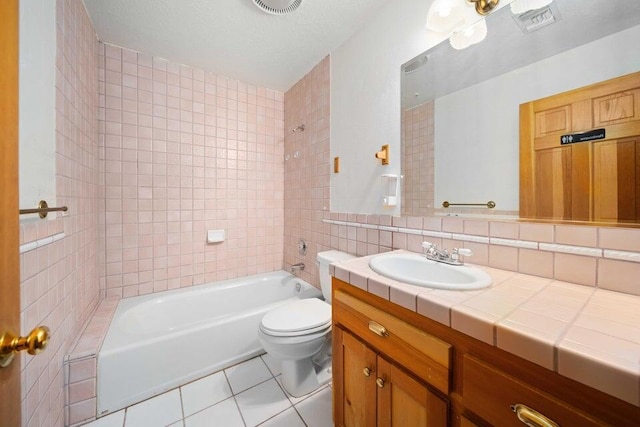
(444, 11)
(445, 16)
(470, 36)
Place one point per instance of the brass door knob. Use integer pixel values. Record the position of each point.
(380, 382)
(366, 372)
(34, 343)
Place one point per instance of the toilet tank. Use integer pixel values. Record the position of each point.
(324, 259)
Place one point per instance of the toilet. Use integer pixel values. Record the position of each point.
(298, 334)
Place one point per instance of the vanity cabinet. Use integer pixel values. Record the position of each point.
(376, 392)
(432, 375)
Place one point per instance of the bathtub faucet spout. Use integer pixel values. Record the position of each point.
(299, 267)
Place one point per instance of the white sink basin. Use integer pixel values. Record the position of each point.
(417, 270)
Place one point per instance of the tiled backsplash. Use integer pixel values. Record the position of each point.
(606, 257)
(185, 151)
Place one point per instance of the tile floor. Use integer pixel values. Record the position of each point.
(245, 395)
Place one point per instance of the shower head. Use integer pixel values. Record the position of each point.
(299, 128)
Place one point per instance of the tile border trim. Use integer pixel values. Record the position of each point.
(516, 243)
(29, 246)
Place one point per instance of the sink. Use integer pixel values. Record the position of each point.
(417, 270)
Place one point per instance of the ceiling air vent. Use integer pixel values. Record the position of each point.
(534, 20)
(277, 7)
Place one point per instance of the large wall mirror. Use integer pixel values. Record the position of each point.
(460, 107)
(37, 110)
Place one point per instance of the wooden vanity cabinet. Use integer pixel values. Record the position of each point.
(373, 391)
(433, 375)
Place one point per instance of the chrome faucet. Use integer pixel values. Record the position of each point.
(299, 267)
(432, 253)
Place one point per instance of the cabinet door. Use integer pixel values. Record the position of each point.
(404, 402)
(354, 376)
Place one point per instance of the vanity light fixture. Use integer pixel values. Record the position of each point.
(449, 16)
(518, 7)
(484, 7)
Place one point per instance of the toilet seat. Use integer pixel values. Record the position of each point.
(302, 317)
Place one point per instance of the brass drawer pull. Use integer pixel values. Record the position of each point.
(532, 417)
(380, 382)
(378, 329)
(367, 372)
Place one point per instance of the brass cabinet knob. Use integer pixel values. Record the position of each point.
(34, 343)
(380, 382)
(366, 372)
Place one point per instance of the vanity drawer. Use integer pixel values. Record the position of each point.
(428, 357)
(493, 394)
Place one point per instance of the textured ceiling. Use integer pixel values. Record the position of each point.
(233, 37)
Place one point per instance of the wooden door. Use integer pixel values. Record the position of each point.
(568, 175)
(616, 181)
(405, 402)
(354, 376)
(9, 222)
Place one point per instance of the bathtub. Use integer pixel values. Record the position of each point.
(160, 341)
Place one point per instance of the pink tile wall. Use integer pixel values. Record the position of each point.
(185, 151)
(59, 281)
(417, 160)
(306, 190)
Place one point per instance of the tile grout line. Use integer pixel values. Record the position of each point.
(564, 333)
(233, 396)
(181, 405)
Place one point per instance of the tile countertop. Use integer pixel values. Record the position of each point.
(587, 334)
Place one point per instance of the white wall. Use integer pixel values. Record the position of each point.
(476, 148)
(37, 102)
(365, 102)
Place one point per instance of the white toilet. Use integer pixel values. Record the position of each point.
(299, 335)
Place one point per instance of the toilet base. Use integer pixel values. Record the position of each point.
(300, 377)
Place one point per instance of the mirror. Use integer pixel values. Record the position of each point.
(460, 108)
(37, 106)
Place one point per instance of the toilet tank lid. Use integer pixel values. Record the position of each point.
(333, 256)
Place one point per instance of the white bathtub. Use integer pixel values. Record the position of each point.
(158, 342)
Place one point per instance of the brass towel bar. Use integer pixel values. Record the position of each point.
(43, 209)
(490, 204)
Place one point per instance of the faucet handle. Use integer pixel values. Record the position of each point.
(464, 252)
(456, 252)
(428, 245)
(428, 248)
